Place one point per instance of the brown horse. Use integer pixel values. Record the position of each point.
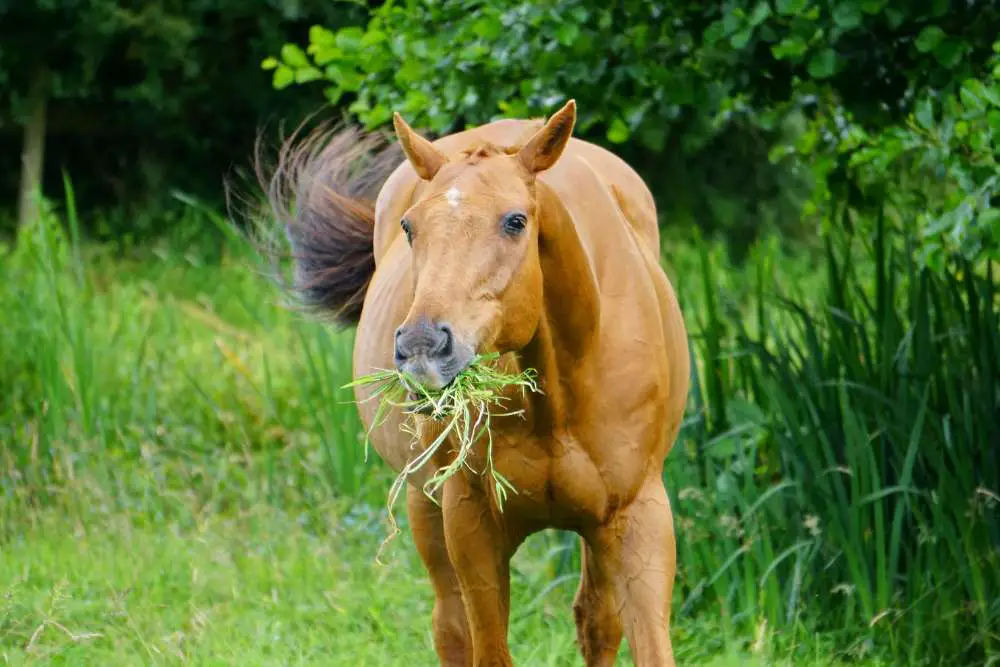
(514, 238)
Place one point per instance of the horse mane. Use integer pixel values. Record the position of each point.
(482, 150)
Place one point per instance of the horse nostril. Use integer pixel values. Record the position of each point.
(445, 341)
(398, 350)
(424, 339)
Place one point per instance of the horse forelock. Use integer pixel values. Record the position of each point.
(477, 153)
(484, 149)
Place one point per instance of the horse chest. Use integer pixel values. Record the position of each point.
(567, 479)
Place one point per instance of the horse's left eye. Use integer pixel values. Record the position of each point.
(514, 223)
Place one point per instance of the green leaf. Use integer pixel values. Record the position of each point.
(714, 32)
(929, 38)
(732, 22)
(653, 136)
(307, 74)
(567, 33)
(760, 13)
(359, 106)
(894, 17)
(847, 15)
(320, 36)
(269, 63)
(924, 113)
(372, 38)
(989, 93)
(742, 38)
(283, 77)
(950, 51)
(790, 47)
(293, 56)
(348, 78)
(994, 118)
(971, 94)
(791, 7)
(379, 115)
(349, 39)
(990, 218)
(333, 94)
(327, 54)
(619, 131)
(823, 64)
(487, 27)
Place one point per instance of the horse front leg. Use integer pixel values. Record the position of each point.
(451, 629)
(598, 627)
(635, 553)
(480, 551)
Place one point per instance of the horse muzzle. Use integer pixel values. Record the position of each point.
(430, 353)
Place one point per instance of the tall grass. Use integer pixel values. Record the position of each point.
(108, 364)
(847, 454)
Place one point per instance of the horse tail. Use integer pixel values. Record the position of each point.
(322, 192)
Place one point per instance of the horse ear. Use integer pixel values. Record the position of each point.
(425, 158)
(546, 146)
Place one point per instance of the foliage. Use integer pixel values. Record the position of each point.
(145, 96)
(740, 113)
(850, 459)
(636, 67)
(945, 163)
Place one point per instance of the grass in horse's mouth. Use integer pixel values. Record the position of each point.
(464, 408)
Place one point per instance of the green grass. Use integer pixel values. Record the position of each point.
(257, 584)
(835, 482)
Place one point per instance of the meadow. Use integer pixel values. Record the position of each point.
(183, 479)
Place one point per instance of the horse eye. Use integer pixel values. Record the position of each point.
(514, 223)
(405, 224)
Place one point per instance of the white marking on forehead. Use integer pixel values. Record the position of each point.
(454, 195)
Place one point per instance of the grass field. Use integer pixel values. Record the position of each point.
(182, 478)
(262, 585)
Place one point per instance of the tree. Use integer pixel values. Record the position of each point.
(728, 95)
(143, 94)
(77, 35)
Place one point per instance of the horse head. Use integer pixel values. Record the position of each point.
(473, 236)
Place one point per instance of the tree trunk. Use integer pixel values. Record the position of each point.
(33, 152)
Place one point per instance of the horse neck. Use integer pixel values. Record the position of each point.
(562, 350)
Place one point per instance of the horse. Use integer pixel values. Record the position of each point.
(519, 239)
